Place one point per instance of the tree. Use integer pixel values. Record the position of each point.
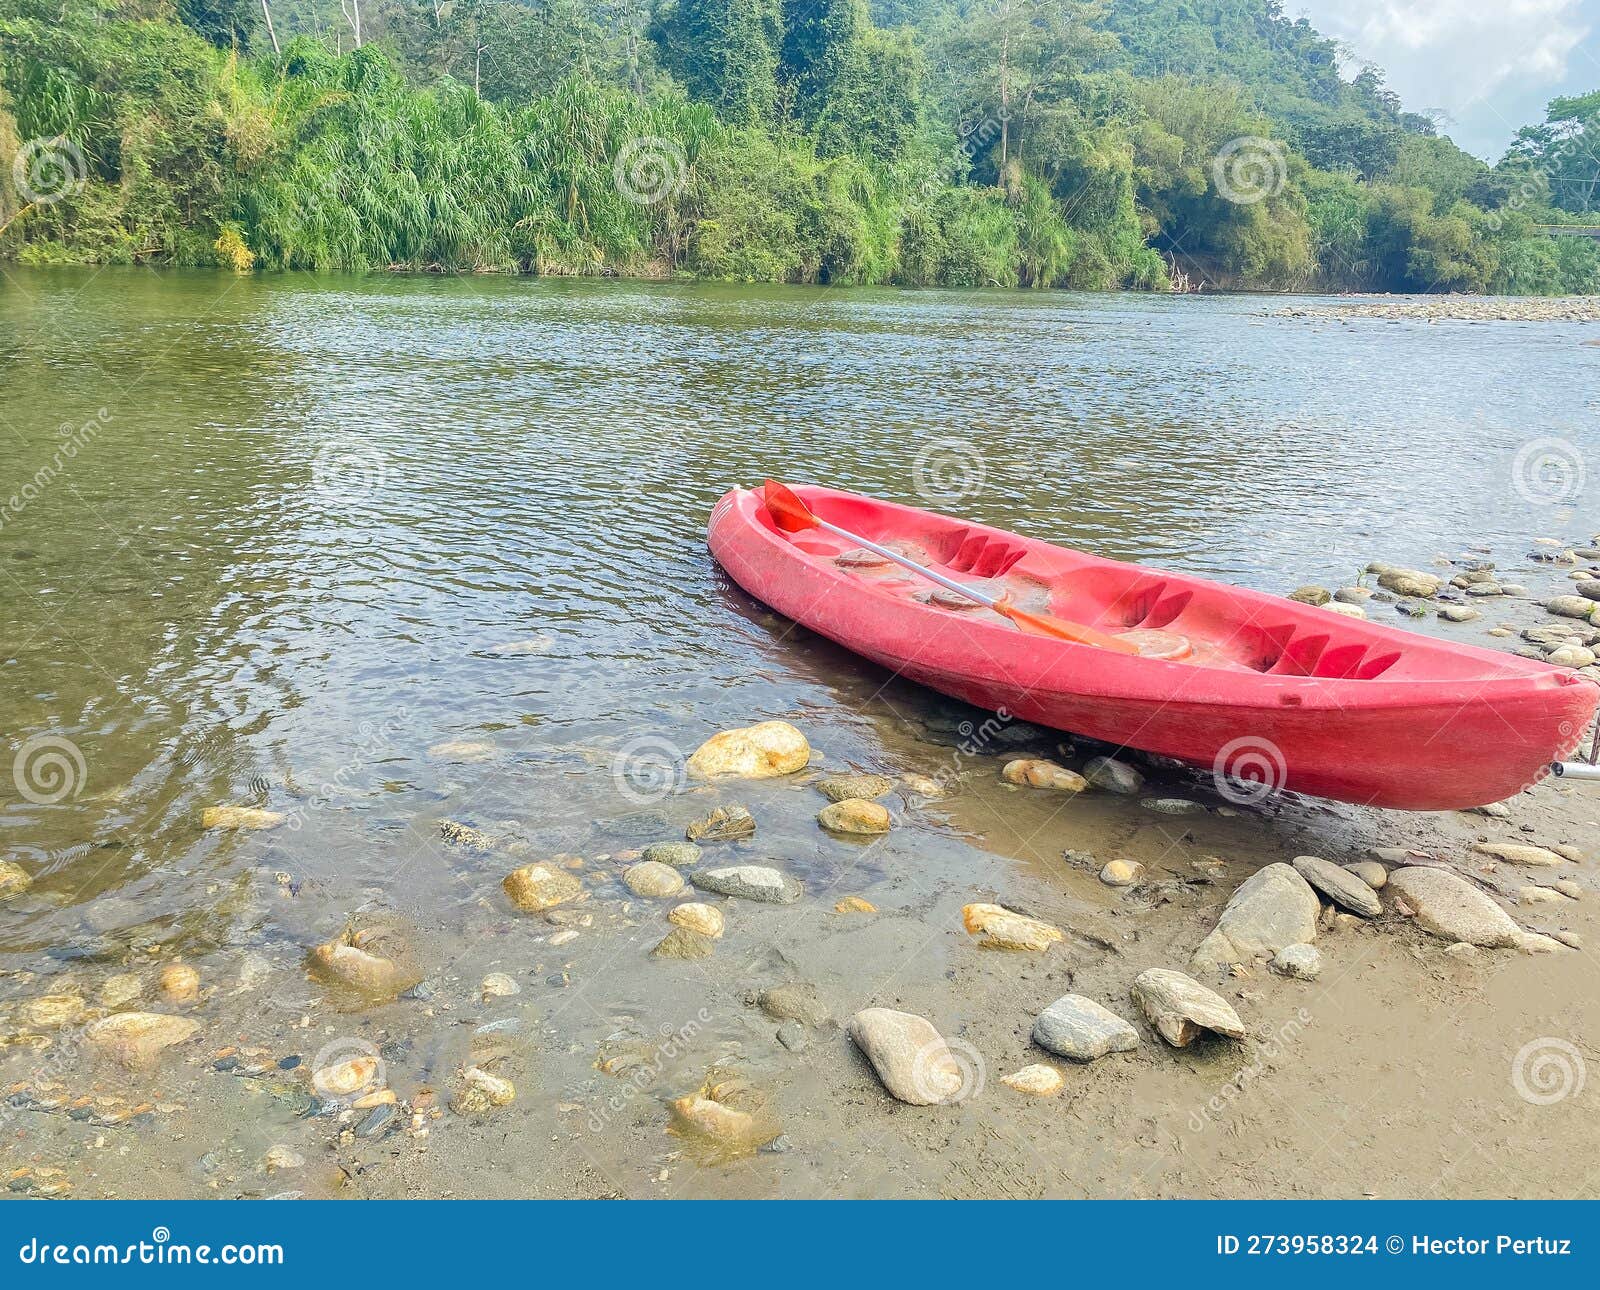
(225, 23)
(725, 52)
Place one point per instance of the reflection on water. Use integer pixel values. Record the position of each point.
(324, 526)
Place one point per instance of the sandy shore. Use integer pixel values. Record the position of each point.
(1453, 308)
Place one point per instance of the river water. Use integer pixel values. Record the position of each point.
(379, 553)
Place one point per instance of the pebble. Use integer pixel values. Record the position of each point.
(1122, 873)
(14, 880)
(347, 1079)
(1037, 1080)
(923, 786)
(136, 1040)
(1301, 961)
(1567, 887)
(1113, 776)
(792, 1035)
(651, 878)
(482, 1092)
(281, 1157)
(1465, 951)
(1514, 853)
(1077, 1027)
(856, 816)
(1570, 939)
(378, 1121)
(1172, 806)
(705, 919)
(537, 887)
(1035, 772)
(910, 1057)
(854, 905)
(761, 751)
(1339, 885)
(464, 835)
(1311, 595)
(1451, 907)
(794, 1001)
(498, 985)
(1494, 810)
(179, 984)
(680, 855)
(1344, 610)
(1370, 872)
(1457, 613)
(751, 882)
(120, 990)
(1568, 852)
(1540, 895)
(1181, 1009)
(1272, 908)
(239, 817)
(700, 1116)
(844, 788)
(1005, 929)
(1353, 595)
(725, 824)
(1409, 582)
(684, 943)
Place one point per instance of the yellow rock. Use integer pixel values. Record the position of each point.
(753, 752)
(14, 879)
(349, 1078)
(483, 1092)
(854, 816)
(537, 887)
(1005, 929)
(1037, 773)
(120, 990)
(371, 974)
(1037, 1080)
(697, 917)
(179, 984)
(855, 905)
(137, 1039)
(239, 817)
(51, 1010)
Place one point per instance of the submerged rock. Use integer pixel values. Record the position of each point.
(911, 1058)
(1274, 907)
(761, 751)
(179, 984)
(136, 1040)
(1181, 1009)
(854, 815)
(14, 880)
(1453, 908)
(1172, 806)
(750, 882)
(1339, 885)
(1037, 1080)
(346, 1080)
(651, 878)
(684, 943)
(482, 1092)
(464, 835)
(794, 1001)
(1514, 853)
(1034, 772)
(498, 985)
(371, 974)
(1077, 1027)
(52, 1011)
(1122, 873)
(854, 905)
(537, 887)
(845, 788)
(1005, 929)
(725, 824)
(725, 1113)
(464, 750)
(697, 917)
(120, 990)
(239, 817)
(680, 855)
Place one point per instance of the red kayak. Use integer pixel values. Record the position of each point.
(1251, 686)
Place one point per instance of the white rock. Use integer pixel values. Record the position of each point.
(1274, 907)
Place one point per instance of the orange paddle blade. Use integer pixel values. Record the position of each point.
(1061, 629)
(788, 512)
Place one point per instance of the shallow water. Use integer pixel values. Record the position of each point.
(311, 529)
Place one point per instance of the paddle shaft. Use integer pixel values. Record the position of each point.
(948, 584)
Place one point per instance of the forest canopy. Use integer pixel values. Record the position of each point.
(1038, 143)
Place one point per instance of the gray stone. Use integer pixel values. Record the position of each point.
(1172, 806)
(680, 855)
(844, 788)
(792, 1035)
(750, 882)
(1339, 886)
(1181, 1009)
(1453, 908)
(1272, 908)
(1076, 1027)
(1300, 961)
(794, 1001)
(1370, 872)
(684, 943)
(1112, 775)
(725, 824)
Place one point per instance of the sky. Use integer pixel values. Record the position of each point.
(1490, 65)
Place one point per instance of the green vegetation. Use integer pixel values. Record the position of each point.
(1038, 143)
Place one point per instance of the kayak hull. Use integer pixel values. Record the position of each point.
(1270, 694)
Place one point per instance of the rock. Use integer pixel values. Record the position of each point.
(684, 943)
(1035, 772)
(14, 880)
(1344, 610)
(1409, 582)
(1540, 896)
(1464, 951)
(725, 1113)
(120, 990)
(1172, 806)
(1587, 587)
(464, 835)
(1536, 943)
(854, 905)
(750, 882)
(1078, 1027)
(1515, 853)
(347, 1080)
(498, 985)
(1353, 595)
(707, 920)
(680, 855)
(1494, 810)
(371, 974)
(1005, 929)
(923, 786)
(651, 878)
(794, 1001)
(1514, 589)
(1113, 776)
(1181, 1009)
(1568, 888)
(761, 751)
(1311, 595)
(1122, 873)
(1411, 609)
(466, 750)
(1457, 613)
(280, 1157)
(1037, 1080)
(909, 1055)
(1483, 589)
(482, 1092)
(136, 1040)
(1570, 939)
(1568, 852)
(725, 824)
(1370, 872)
(845, 788)
(1339, 885)
(537, 887)
(51, 1011)
(854, 815)
(239, 817)
(1570, 656)
(1453, 908)
(179, 984)
(792, 1035)
(1300, 961)
(1272, 908)
(1571, 606)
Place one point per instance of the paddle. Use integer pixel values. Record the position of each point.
(793, 516)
